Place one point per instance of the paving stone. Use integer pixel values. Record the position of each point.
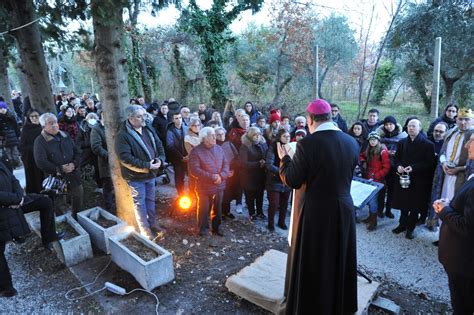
(387, 305)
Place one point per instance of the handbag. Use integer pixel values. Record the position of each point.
(54, 184)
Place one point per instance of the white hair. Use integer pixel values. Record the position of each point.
(44, 118)
(204, 132)
(92, 115)
(300, 118)
(220, 128)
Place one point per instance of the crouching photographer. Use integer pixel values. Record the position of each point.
(13, 227)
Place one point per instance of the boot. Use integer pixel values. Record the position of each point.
(373, 222)
(367, 220)
(380, 213)
(388, 213)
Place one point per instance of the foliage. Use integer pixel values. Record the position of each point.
(414, 36)
(211, 28)
(383, 81)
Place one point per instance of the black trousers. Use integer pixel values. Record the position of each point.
(408, 218)
(108, 195)
(254, 199)
(209, 204)
(277, 201)
(179, 173)
(43, 204)
(461, 289)
(232, 191)
(5, 276)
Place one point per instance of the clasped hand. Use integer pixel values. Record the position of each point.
(439, 204)
(402, 169)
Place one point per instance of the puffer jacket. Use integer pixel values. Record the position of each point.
(9, 130)
(99, 148)
(203, 163)
(378, 168)
(12, 221)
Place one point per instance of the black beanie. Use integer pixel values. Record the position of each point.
(390, 119)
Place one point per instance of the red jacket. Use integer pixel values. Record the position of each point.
(378, 168)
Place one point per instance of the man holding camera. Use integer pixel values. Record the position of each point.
(141, 154)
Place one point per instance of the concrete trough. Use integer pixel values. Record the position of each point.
(100, 235)
(150, 274)
(75, 250)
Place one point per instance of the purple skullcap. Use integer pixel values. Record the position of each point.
(318, 107)
(3, 105)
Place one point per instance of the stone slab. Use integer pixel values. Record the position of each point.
(263, 282)
(387, 305)
(150, 274)
(98, 234)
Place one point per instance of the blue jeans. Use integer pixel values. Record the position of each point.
(143, 194)
(373, 204)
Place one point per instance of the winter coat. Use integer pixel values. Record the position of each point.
(322, 253)
(371, 128)
(419, 154)
(341, 123)
(175, 151)
(83, 141)
(390, 140)
(133, 154)
(253, 116)
(99, 148)
(51, 152)
(456, 236)
(378, 168)
(33, 175)
(160, 123)
(12, 221)
(231, 154)
(191, 140)
(70, 126)
(9, 129)
(203, 163)
(252, 176)
(450, 122)
(272, 165)
(235, 136)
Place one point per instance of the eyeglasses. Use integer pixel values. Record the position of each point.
(34, 116)
(452, 111)
(438, 131)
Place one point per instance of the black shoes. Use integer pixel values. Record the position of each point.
(271, 228)
(389, 214)
(435, 243)
(410, 235)
(228, 216)
(59, 236)
(399, 229)
(261, 216)
(10, 292)
(217, 233)
(282, 226)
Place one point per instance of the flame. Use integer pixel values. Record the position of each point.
(184, 202)
(129, 228)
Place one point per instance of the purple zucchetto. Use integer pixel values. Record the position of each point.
(318, 107)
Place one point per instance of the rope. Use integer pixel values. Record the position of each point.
(20, 27)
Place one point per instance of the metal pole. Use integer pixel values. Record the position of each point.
(92, 86)
(436, 70)
(316, 70)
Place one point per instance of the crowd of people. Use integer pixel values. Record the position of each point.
(221, 157)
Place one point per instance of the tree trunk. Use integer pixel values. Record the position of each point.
(4, 82)
(276, 98)
(111, 67)
(449, 88)
(181, 76)
(32, 54)
(321, 80)
(25, 91)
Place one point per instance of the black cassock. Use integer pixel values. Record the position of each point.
(321, 276)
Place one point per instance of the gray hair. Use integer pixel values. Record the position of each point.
(194, 120)
(132, 109)
(216, 129)
(300, 118)
(92, 115)
(253, 131)
(204, 132)
(44, 118)
(239, 112)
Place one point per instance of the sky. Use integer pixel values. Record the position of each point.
(357, 12)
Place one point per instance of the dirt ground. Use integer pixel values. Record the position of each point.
(202, 265)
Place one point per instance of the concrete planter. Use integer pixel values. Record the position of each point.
(76, 249)
(150, 274)
(100, 235)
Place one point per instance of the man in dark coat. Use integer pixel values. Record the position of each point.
(456, 243)
(141, 154)
(55, 153)
(416, 157)
(175, 150)
(321, 270)
(209, 167)
(13, 226)
(161, 122)
(372, 122)
(337, 118)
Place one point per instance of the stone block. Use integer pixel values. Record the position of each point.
(150, 274)
(263, 283)
(100, 235)
(387, 305)
(75, 250)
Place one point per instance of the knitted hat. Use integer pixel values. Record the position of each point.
(318, 107)
(274, 117)
(390, 119)
(373, 135)
(3, 105)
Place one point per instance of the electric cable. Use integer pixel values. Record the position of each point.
(149, 292)
(86, 285)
